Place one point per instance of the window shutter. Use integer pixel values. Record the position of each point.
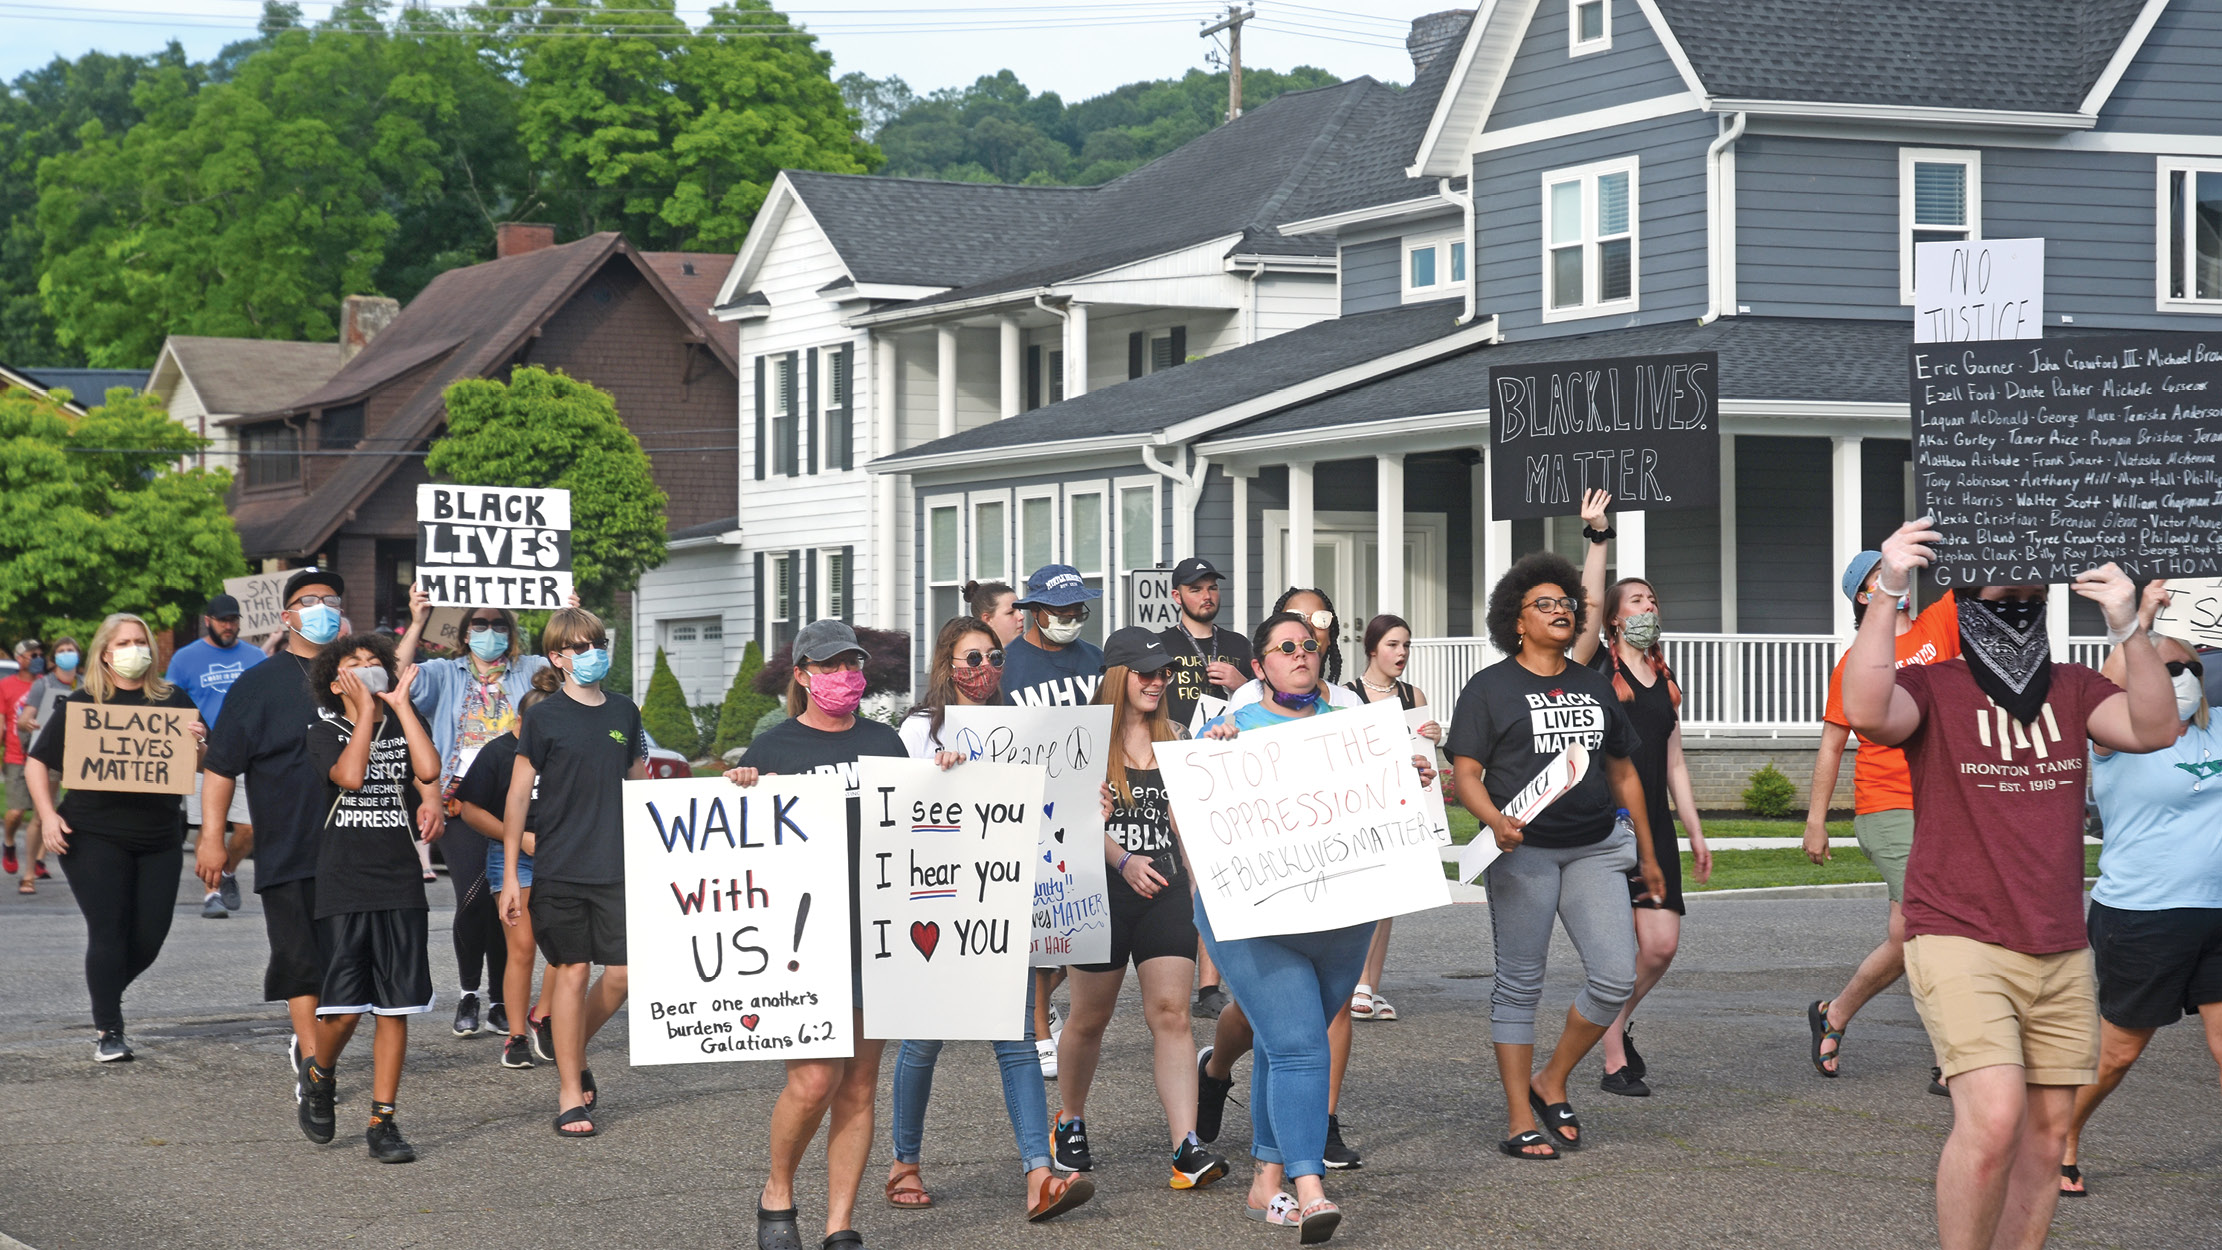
(845, 362)
(763, 598)
(1137, 351)
(1034, 377)
(760, 365)
(810, 584)
(848, 584)
(798, 608)
(810, 413)
(1180, 345)
(792, 450)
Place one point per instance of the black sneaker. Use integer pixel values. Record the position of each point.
(466, 1015)
(1637, 1069)
(1210, 1001)
(543, 1038)
(1071, 1148)
(1625, 1083)
(1936, 1083)
(516, 1052)
(1195, 1167)
(497, 1018)
(1338, 1157)
(227, 889)
(387, 1145)
(299, 1065)
(111, 1048)
(1211, 1098)
(316, 1112)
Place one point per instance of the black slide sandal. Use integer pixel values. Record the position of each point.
(1556, 1118)
(1517, 1146)
(576, 1115)
(846, 1237)
(586, 1083)
(775, 1230)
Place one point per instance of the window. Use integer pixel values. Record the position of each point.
(1137, 525)
(1458, 261)
(1589, 240)
(1588, 26)
(1430, 265)
(944, 560)
(682, 633)
(1056, 377)
(271, 452)
(783, 417)
(1422, 268)
(713, 631)
(340, 429)
(782, 601)
(990, 540)
(1086, 539)
(1037, 533)
(2191, 235)
(837, 586)
(1940, 200)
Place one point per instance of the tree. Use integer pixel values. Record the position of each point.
(549, 429)
(744, 704)
(99, 517)
(664, 713)
(886, 664)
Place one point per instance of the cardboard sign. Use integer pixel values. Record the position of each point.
(2040, 460)
(1646, 428)
(1072, 914)
(1149, 599)
(2193, 612)
(944, 882)
(485, 546)
(142, 750)
(443, 628)
(1986, 289)
(1310, 825)
(261, 603)
(737, 919)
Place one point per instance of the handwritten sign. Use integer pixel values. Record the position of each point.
(483, 546)
(1422, 745)
(945, 880)
(2193, 612)
(737, 919)
(443, 629)
(1310, 825)
(143, 750)
(1072, 914)
(1646, 428)
(1149, 599)
(1987, 289)
(2042, 459)
(261, 602)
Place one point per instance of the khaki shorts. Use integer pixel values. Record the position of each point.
(1887, 840)
(238, 813)
(1986, 1005)
(19, 790)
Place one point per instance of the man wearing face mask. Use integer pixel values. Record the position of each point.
(36, 708)
(1050, 664)
(30, 660)
(205, 670)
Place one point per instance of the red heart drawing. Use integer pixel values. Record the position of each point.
(925, 935)
(1060, 865)
(749, 1022)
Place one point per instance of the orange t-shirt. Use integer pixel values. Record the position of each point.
(1880, 779)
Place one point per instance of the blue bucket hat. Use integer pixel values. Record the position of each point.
(1855, 573)
(1056, 586)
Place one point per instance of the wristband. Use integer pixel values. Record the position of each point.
(1122, 862)
(1599, 536)
(1888, 593)
(2116, 637)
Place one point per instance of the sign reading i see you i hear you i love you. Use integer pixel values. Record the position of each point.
(494, 547)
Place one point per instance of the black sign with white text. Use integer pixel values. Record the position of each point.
(1646, 428)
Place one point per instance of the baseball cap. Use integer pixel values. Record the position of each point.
(1136, 648)
(1192, 570)
(221, 605)
(312, 576)
(1855, 573)
(820, 641)
(1057, 586)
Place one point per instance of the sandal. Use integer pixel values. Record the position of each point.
(897, 1189)
(576, 1115)
(586, 1083)
(1556, 1118)
(1817, 1020)
(1382, 1010)
(1280, 1211)
(1059, 1195)
(775, 1230)
(846, 1237)
(2073, 1175)
(1318, 1223)
(1517, 1147)
(25, 887)
(1362, 1005)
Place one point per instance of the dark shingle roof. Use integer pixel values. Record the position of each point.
(89, 387)
(1367, 166)
(914, 232)
(708, 529)
(234, 376)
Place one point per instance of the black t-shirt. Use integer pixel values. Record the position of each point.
(263, 736)
(1145, 827)
(1514, 722)
(366, 857)
(149, 819)
(582, 754)
(1190, 656)
(486, 784)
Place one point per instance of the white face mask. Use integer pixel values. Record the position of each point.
(131, 662)
(1060, 632)
(2189, 690)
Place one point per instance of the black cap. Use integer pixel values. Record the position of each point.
(221, 605)
(311, 576)
(1135, 648)
(1192, 570)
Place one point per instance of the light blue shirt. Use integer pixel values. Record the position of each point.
(205, 672)
(440, 688)
(2163, 815)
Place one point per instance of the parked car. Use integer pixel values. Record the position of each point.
(665, 762)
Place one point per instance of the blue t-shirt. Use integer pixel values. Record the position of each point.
(1258, 716)
(205, 672)
(2163, 814)
(1038, 677)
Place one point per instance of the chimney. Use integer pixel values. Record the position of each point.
(1433, 34)
(361, 317)
(515, 238)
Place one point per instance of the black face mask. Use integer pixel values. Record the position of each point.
(2008, 652)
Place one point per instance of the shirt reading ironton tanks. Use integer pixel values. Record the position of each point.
(582, 755)
(263, 735)
(366, 854)
(1514, 722)
(153, 819)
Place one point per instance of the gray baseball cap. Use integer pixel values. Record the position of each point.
(820, 641)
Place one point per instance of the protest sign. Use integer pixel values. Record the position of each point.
(1209, 707)
(1562, 773)
(2039, 460)
(1982, 289)
(1415, 719)
(443, 629)
(485, 546)
(1072, 914)
(1646, 428)
(1149, 599)
(944, 882)
(260, 602)
(143, 750)
(1310, 825)
(737, 919)
(2193, 612)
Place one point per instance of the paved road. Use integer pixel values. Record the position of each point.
(194, 1145)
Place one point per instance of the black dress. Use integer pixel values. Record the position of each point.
(1652, 711)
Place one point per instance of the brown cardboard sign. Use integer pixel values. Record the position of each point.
(144, 750)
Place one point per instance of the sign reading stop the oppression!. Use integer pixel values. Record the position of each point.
(2042, 459)
(494, 547)
(145, 750)
(1646, 428)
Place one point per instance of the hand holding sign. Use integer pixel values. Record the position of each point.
(138, 749)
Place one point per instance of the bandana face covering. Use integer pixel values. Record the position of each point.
(979, 684)
(2008, 652)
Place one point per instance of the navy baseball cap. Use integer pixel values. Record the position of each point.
(1056, 586)
(1136, 648)
(1855, 573)
(312, 576)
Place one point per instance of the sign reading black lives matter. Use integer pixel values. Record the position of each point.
(2042, 459)
(489, 546)
(1647, 428)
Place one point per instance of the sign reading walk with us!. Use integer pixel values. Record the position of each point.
(1646, 428)
(2041, 459)
(945, 896)
(145, 750)
(494, 547)
(737, 919)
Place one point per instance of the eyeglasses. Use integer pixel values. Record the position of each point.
(310, 601)
(975, 658)
(1545, 603)
(1290, 646)
(2176, 668)
(481, 626)
(581, 648)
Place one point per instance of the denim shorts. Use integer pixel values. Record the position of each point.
(495, 863)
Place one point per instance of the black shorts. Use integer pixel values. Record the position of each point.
(1143, 929)
(375, 961)
(579, 924)
(296, 968)
(2155, 967)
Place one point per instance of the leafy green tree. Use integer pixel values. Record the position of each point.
(744, 704)
(549, 429)
(100, 518)
(664, 713)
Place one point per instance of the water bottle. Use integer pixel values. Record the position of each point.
(1623, 823)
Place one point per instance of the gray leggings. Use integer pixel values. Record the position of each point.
(1587, 888)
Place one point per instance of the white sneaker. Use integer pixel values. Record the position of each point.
(1047, 1051)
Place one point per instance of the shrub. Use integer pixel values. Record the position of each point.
(744, 705)
(664, 712)
(886, 665)
(1770, 794)
(706, 719)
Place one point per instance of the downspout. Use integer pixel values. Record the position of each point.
(1465, 202)
(1250, 303)
(1716, 237)
(1064, 344)
(1188, 490)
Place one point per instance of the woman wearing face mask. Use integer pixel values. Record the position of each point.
(32, 714)
(995, 605)
(1388, 644)
(121, 850)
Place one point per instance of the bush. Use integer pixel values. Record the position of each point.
(744, 705)
(886, 665)
(664, 712)
(1770, 794)
(706, 719)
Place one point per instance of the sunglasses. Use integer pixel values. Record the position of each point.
(581, 648)
(1290, 646)
(1548, 604)
(1319, 620)
(2177, 668)
(975, 658)
(480, 627)
(1066, 615)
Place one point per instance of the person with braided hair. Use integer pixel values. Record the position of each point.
(1321, 618)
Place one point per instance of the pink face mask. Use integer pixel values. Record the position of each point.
(837, 693)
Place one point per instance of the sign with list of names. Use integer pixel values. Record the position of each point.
(1646, 428)
(488, 546)
(144, 750)
(1964, 291)
(2042, 459)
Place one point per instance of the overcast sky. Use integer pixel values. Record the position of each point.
(1074, 47)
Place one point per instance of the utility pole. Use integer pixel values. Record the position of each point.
(1232, 24)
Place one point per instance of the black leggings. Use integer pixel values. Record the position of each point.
(128, 893)
(478, 929)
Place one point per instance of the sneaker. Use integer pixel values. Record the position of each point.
(7, 860)
(1936, 1083)
(1047, 1053)
(1210, 1001)
(316, 1114)
(227, 888)
(1625, 1083)
(387, 1145)
(1339, 1157)
(516, 1052)
(38, 869)
(466, 1014)
(111, 1048)
(543, 1038)
(300, 1069)
(212, 907)
(1211, 1098)
(497, 1018)
(1637, 1068)
(1195, 1167)
(1071, 1146)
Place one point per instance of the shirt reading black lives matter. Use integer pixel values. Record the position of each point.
(263, 737)
(1190, 675)
(582, 754)
(366, 857)
(1514, 722)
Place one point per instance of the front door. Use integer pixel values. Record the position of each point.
(1346, 564)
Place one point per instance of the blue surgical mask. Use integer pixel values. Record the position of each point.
(591, 667)
(37, 664)
(319, 623)
(490, 644)
(66, 661)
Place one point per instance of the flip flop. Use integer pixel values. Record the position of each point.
(1319, 1222)
(1556, 1118)
(1517, 1147)
(1061, 1194)
(576, 1115)
(2074, 1175)
(1817, 1021)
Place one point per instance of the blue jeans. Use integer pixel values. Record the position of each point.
(1023, 1096)
(1290, 986)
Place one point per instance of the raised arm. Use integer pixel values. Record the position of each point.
(1873, 703)
(420, 612)
(1586, 639)
(2143, 717)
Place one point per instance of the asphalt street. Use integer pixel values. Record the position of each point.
(194, 1145)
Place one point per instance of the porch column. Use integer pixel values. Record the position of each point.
(1239, 478)
(1388, 524)
(1844, 517)
(1628, 544)
(883, 553)
(1728, 533)
(1014, 366)
(1076, 350)
(1300, 570)
(1493, 551)
(945, 380)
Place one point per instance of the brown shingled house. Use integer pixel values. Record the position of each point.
(332, 476)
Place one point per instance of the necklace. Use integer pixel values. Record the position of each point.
(1388, 689)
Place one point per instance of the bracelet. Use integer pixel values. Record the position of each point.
(1600, 536)
(2116, 638)
(1122, 862)
(1888, 593)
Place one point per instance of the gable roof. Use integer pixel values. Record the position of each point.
(89, 387)
(234, 376)
(694, 278)
(918, 232)
(1368, 166)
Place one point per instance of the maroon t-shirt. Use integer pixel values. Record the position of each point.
(1998, 810)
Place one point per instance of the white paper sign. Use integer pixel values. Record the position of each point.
(946, 897)
(737, 919)
(1072, 914)
(486, 546)
(1209, 708)
(1305, 826)
(260, 602)
(1564, 771)
(1423, 745)
(1985, 289)
(1149, 599)
(2193, 612)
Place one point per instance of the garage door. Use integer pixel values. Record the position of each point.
(696, 649)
